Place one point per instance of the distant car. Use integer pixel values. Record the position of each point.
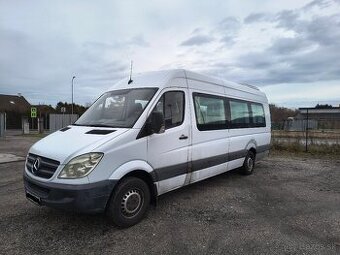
(141, 139)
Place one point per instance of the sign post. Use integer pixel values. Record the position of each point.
(33, 112)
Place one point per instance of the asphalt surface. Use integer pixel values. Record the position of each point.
(291, 204)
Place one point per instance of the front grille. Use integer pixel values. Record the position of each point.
(45, 169)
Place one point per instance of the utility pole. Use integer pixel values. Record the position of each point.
(72, 94)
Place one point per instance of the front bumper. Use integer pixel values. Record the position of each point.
(83, 198)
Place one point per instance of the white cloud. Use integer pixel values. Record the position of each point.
(43, 44)
(296, 95)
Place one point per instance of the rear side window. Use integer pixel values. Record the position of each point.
(258, 117)
(171, 104)
(239, 114)
(210, 112)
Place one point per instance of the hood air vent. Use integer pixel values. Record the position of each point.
(64, 129)
(99, 132)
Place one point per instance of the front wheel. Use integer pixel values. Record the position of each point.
(129, 202)
(249, 164)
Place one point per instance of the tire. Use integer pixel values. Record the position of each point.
(129, 202)
(249, 164)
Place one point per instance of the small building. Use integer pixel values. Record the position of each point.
(332, 113)
(16, 107)
(325, 117)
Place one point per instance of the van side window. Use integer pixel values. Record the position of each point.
(258, 117)
(240, 115)
(210, 112)
(171, 104)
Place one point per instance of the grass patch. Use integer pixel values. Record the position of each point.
(333, 149)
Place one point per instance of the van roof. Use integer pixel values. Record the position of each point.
(163, 79)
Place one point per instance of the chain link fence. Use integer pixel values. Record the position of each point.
(314, 135)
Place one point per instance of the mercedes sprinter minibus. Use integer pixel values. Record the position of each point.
(145, 137)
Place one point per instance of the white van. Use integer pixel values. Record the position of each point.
(145, 137)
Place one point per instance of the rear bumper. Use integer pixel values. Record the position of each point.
(84, 198)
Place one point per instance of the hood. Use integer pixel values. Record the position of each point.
(72, 141)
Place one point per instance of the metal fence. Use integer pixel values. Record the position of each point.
(308, 135)
(58, 121)
(2, 124)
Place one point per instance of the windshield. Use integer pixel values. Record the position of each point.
(119, 108)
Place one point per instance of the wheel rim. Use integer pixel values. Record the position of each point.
(132, 202)
(250, 164)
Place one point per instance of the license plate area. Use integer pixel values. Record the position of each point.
(33, 198)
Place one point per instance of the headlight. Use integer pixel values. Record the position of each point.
(81, 166)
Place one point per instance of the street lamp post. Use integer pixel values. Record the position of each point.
(72, 94)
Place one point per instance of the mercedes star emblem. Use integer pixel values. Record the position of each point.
(36, 165)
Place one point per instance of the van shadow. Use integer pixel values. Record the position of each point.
(69, 222)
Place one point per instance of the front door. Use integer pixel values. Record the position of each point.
(168, 152)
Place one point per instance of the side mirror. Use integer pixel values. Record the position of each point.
(156, 123)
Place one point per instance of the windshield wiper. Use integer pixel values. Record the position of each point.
(93, 125)
(99, 125)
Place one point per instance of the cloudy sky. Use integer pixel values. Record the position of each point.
(290, 49)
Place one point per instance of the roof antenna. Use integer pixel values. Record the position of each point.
(130, 80)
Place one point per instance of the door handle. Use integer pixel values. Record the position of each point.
(183, 137)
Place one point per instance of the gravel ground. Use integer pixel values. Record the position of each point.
(291, 204)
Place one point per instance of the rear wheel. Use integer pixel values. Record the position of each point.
(129, 202)
(249, 164)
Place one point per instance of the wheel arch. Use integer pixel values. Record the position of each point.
(139, 169)
(148, 179)
(251, 146)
